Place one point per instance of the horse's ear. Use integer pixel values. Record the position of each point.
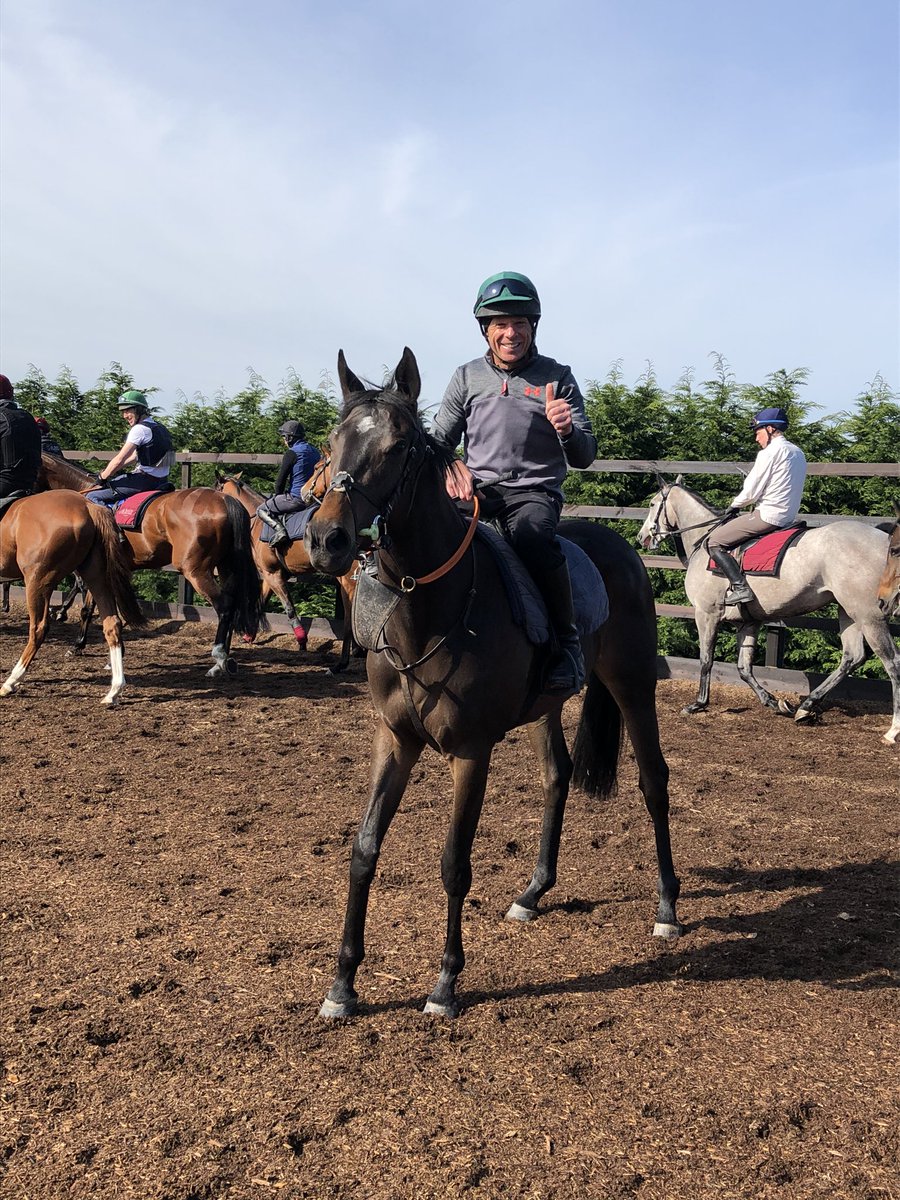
(350, 383)
(407, 380)
(679, 481)
(237, 476)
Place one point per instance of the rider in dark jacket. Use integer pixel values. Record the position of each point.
(20, 445)
(523, 423)
(297, 466)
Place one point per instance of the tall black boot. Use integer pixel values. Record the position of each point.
(739, 591)
(567, 669)
(273, 522)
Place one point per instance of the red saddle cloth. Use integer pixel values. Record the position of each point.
(131, 511)
(763, 555)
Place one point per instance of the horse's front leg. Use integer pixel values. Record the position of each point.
(549, 744)
(746, 640)
(707, 626)
(37, 600)
(392, 762)
(469, 781)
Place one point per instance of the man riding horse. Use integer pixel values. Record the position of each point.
(147, 441)
(523, 422)
(775, 485)
(296, 469)
(20, 446)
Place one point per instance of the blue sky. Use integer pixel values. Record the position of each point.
(196, 188)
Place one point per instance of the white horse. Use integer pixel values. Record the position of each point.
(837, 563)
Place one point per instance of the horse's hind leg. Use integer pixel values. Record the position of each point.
(549, 744)
(653, 780)
(392, 762)
(93, 572)
(469, 780)
(854, 635)
(222, 603)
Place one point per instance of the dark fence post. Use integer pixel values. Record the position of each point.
(775, 639)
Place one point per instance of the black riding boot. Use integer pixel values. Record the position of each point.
(567, 668)
(275, 523)
(739, 591)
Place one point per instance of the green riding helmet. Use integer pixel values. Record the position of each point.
(133, 399)
(507, 294)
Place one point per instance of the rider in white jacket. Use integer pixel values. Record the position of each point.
(775, 485)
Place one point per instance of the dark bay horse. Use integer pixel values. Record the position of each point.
(458, 673)
(276, 568)
(836, 563)
(200, 533)
(47, 536)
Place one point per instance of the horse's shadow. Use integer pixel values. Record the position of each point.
(840, 933)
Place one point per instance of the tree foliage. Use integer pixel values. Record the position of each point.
(706, 422)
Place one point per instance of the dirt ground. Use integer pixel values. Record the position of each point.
(173, 883)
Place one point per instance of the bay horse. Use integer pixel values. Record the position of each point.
(46, 536)
(277, 567)
(836, 563)
(200, 533)
(458, 673)
(889, 584)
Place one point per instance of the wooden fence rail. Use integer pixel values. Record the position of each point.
(775, 634)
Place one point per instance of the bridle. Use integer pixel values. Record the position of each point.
(416, 454)
(674, 530)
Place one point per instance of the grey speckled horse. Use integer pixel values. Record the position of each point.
(838, 563)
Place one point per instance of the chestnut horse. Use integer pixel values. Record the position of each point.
(276, 567)
(458, 672)
(47, 536)
(199, 532)
(889, 584)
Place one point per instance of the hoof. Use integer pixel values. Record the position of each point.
(332, 1010)
(518, 912)
(690, 709)
(786, 708)
(441, 1010)
(8, 689)
(671, 933)
(891, 737)
(806, 714)
(230, 667)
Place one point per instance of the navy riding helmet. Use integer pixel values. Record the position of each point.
(776, 417)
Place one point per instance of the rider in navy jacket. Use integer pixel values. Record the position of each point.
(297, 466)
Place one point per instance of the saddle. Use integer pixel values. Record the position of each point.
(295, 523)
(130, 512)
(764, 555)
(374, 601)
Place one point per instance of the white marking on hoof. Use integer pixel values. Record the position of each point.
(891, 736)
(330, 1010)
(220, 658)
(662, 929)
(441, 1010)
(518, 912)
(805, 714)
(786, 708)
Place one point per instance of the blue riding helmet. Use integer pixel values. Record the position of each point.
(776, 417)
(292, 430)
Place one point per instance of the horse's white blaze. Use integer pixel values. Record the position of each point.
(365, 424)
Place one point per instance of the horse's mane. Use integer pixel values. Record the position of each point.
(700, 499)
(61, 468)
(437, 454)
(243, 486)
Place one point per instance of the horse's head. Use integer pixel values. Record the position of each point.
(377, 454)
(229, 484)
(889, 584)
(660, 522)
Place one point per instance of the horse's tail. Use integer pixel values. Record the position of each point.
(117, 570)
(241, 582)
(595, 755)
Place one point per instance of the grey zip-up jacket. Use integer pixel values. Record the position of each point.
(500, 416)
